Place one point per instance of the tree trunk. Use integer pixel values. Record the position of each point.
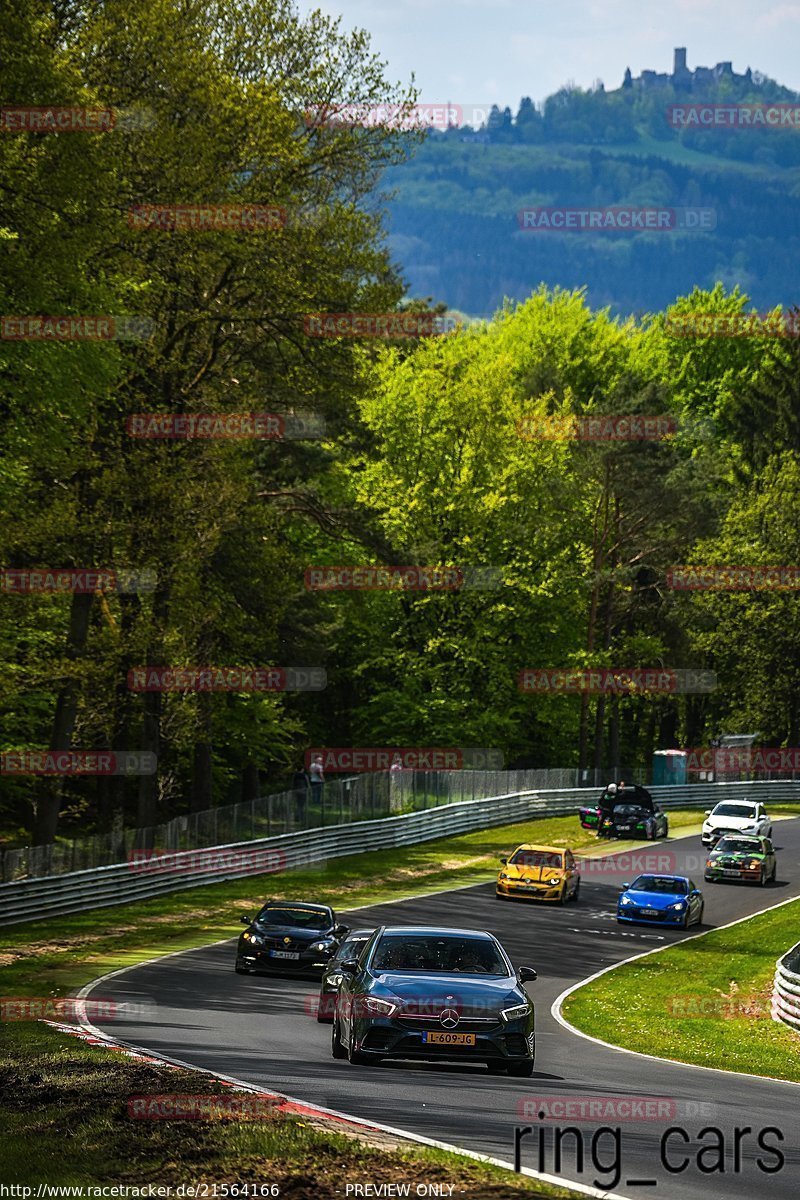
(202, 777)
(49, 792)
(250, 783)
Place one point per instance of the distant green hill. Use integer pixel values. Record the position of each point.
(453, 218)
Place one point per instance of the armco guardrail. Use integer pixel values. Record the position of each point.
(141, 878)
(786, 989)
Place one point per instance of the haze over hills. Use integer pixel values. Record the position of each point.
(453, 218)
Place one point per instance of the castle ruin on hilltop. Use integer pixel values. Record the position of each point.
(682, 77)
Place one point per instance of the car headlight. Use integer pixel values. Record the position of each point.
(679, 907)
(710, 862)
(755, 865)
(255, 939)
(555, 879)
(516, 1010)
(625, 900)
(318, 947)
(382, 1008)
(502, 875)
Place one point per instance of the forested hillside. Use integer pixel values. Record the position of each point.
(453, 217)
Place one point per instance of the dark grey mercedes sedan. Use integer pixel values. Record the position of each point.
(435, 994)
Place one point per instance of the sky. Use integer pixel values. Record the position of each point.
(473, 52)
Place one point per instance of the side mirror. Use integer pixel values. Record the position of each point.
(246, 920)
(527, 974)
(349, 966)
(708, 812)
(341, 930)
(623, 887)
(503, 861)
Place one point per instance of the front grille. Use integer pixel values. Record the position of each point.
(660, 915)
(465, 1024)
(410, 1044)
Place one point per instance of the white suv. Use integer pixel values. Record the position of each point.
(735, 816)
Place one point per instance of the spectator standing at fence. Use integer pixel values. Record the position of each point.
(396, 782)
(317, 778)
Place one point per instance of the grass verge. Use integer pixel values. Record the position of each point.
(704, 1001)
(65, 1121)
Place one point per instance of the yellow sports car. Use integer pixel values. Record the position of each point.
(539, 873)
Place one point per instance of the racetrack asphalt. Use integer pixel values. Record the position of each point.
(261, 1030)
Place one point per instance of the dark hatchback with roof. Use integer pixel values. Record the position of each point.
(435, 994)
(288, 935)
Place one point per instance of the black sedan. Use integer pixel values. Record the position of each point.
(289, 935)
(435, 994)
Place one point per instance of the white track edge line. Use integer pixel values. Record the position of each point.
(407, 1135)
(556, 1006)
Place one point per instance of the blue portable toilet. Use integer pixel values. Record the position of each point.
(669, 766)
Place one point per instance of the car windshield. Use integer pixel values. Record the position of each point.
(299, 918)
(734, 810)
(351, 947)
(739, 846)
(660, 883)
(432, 952)
(536, 858)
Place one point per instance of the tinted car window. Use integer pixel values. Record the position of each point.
(441, 954)
(656, 883)
(734, 810)
(535, 858)
(739, 845)
(351, 947)
(301, 918)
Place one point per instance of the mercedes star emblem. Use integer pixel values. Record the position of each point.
(448, 1018)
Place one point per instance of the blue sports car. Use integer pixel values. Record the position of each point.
(661, 900)
(434, 994)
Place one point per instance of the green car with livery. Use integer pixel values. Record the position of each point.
(742, 858)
